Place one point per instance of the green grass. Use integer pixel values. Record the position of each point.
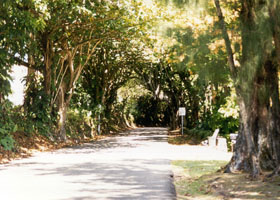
(200, 180)
(191, 137)
(189, 176)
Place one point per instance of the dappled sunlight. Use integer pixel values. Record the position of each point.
(201, 180)
(123, 167)
(239, 186)
(132, 165)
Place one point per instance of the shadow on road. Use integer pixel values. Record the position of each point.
(136, 137)
(116, 168)
(123, 181)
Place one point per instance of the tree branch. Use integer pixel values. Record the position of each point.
(232, 66)
(23, 63)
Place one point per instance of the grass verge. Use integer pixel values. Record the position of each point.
(201, 180)
(190, 137)
(189, 177)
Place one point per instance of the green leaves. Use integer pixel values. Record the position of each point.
(7, 125)
(7, 142)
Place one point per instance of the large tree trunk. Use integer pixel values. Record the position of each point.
(257, 145)
(256, 85)
(274, 13)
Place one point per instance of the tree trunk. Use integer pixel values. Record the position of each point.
(173, 120)
(274, 10)
(256, 85)
(62, 112)
(30, 76)
(48, 56)
(174, 105)
(258, 145)
(194, 118)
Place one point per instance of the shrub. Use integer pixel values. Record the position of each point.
(199, 134)
(37, 112)
(7, 126)
(78, 124)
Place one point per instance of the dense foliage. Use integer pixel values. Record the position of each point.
(7, 126)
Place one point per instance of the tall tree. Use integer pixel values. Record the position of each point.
(256, 83)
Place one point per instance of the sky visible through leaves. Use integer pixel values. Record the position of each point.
(17, 84)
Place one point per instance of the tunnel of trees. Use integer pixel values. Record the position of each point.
(126, 62)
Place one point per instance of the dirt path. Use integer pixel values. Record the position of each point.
(134, 165)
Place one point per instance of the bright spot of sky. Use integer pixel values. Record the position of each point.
(17, 84)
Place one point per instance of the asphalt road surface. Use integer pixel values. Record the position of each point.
(134, 165)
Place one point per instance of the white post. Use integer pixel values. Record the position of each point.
(99, 119)
(182, 124)
(182, 113)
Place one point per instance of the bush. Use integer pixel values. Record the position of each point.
(7, 126)
(78, 125)
(37, 112)
(216, 120)
(199, 134)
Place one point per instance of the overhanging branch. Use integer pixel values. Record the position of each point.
(232, 66)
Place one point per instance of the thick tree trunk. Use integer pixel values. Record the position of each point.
(248, 123)
(239, 160)
(274, 10)
(258, 141)
(256, 84)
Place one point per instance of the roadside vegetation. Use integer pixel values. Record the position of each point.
(205, 180)
(190, 137)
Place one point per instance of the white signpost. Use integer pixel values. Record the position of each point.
(99, 120)
(182, 113)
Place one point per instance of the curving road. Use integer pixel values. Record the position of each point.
(134, 165)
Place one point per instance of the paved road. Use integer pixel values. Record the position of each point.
(134, 165)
